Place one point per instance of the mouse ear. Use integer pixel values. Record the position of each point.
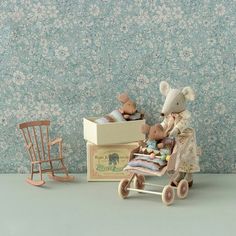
(123, 97)
(145, 129)
(188, 93)
(164, 88)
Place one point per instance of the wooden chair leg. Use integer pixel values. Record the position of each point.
(51, 166)
(32, 172)
(66, 178)
(40, 171)
(36, 182)
(64, 167)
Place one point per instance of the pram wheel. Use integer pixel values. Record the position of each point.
(139, 181)
(182, 189)
(122, 188)
(168, 195)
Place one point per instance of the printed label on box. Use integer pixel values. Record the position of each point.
(106, 163)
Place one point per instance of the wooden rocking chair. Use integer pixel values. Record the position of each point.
(38, 145)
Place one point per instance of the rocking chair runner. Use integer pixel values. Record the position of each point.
(38, 148)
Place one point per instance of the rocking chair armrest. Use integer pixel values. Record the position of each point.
(55, 141)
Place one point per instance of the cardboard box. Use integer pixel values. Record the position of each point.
(113, 133)
(106, 162)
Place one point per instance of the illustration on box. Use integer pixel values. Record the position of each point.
(106, 163)
(170, 148)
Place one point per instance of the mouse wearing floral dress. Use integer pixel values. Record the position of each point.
(177, 120)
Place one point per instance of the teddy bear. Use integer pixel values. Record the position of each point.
(176, 122)
(127, 112)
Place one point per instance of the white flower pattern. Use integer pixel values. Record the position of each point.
(65, 60)
(62, 53)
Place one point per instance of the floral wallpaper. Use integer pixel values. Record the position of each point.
(68, 59)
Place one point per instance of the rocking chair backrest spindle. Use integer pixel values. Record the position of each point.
(34, 133)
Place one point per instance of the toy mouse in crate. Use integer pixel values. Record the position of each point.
(127, 112)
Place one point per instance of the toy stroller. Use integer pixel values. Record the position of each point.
(184, 144)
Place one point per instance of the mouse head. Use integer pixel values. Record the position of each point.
(175, 101)
(154, 132)
(129, 106)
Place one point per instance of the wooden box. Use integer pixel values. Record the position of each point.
(106, 162)
(113, 133)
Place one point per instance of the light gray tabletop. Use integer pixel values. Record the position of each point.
(94, 208)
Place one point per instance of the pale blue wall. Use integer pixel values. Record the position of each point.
(67, 59)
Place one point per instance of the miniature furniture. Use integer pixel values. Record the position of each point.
(38, 145)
